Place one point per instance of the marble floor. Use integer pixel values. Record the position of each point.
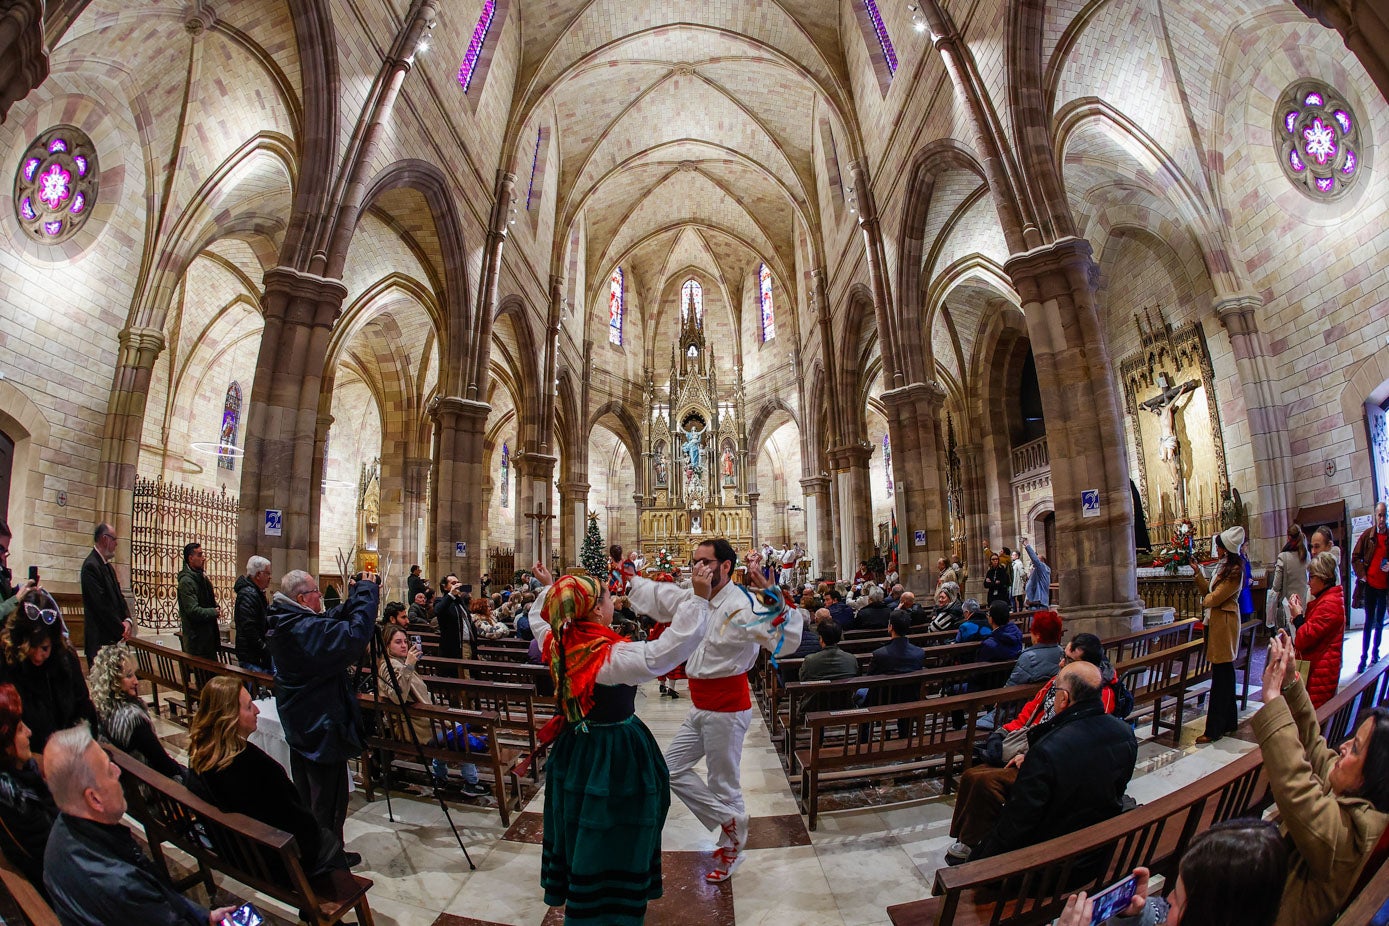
(846, 873)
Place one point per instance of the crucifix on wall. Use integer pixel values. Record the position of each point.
(1166, 405)
(541, 518)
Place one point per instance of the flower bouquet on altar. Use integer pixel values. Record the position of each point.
(1180, 551)
(665, 569)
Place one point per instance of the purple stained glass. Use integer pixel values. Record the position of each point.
(81, 163)
(1320, 141)
(57, 145)
(79, 202)
(1324, 184)
(1342, 119)
(880, 30)
(52, 228)
(1290, 120)
(1313, 99)
(55, 185)
(474, 53)
(1295, 160)
(30, 166)
(26, 209)
(1348, 167)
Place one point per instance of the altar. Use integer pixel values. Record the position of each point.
(695, 447)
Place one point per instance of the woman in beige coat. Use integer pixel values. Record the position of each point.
(1221, 598)
(1333, 804)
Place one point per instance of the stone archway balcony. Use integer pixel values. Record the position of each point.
(1031, 460)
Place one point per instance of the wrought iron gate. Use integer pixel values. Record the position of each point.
(165, 517)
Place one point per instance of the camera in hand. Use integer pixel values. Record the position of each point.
(244, 915)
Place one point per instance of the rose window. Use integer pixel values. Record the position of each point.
(55, 185)
(1318, 140)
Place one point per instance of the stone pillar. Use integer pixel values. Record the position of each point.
(573, 504)
(1268, 436)
(23, 53)
(282, 431)
(977, 510)
(753, 499)
(416, 511)
(780, 523)
(535, 472)
(458, 510)
(855, 504)
(819, 539)
(125, 424)
(320, 454)
(1094, 560)
(640, 539)
(920, 484)
(870, 225)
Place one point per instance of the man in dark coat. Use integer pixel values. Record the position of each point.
(899, 654)
(249, 615)
(415, 584)
(455, 623)
(841, 612)
(197, 605)
(1077, 767)
(107, 615)
(915, 613)
(312, 651)
(875, 614)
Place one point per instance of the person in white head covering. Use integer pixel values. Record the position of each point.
(1221, 599)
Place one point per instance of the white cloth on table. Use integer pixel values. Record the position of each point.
(270, 737)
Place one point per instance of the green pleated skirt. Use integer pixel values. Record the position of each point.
(607, 792)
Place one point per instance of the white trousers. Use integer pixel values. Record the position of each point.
(717, 738)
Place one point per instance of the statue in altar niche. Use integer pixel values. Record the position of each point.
(693, 442)
(1166, 405)
(726, 466)
(661, 467)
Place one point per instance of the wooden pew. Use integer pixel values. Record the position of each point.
(518, 720)
(250, 852)
(186, 675)
(20, 901)
(861, 744)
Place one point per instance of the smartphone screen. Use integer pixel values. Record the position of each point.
(244, 915)
(33, 573)
(415, 639)
(1113, 900)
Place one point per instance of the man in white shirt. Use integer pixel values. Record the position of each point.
(721, 703)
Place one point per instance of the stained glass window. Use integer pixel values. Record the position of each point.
(887, 464)
(535, 164)
(231, 423)
(506, 475)
(474, 53)
(692, 294)
(764, 285)
(1318, 140)
(55, 184)
(616, 308)
(880, 30)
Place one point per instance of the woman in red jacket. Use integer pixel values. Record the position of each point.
(1320, 629)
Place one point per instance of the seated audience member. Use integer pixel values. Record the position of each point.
(1041, 660)
(27, 810)
(976, 626)
(418, 614)
(395, 613)
(828, 663)
(1004, 642)
(404, 655)
(875, 614)
(1320, 629)
(235, 775)
(843, 614)
(810, 643)
(42, 665)
(984, 787)
(125, 721)
(487, 626)
(1333, 804)
(894, 596)
(896, 657)
(1075, 771)
(1232, 873)
(94, 870)
(950, 611)
(915, 614)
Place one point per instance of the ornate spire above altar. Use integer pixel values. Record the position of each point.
(695, 435)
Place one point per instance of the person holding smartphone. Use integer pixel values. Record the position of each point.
(1232, 873)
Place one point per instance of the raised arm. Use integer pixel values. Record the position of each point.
(636, 662)
(657, 600)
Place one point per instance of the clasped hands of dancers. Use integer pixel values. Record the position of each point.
(607, 785)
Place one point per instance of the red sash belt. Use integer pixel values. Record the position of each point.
(724, 695)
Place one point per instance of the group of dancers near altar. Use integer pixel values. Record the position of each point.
(607, 785)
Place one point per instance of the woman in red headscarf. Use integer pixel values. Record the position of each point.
(607, 789)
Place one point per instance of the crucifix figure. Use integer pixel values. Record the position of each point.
(541, 526)
(1166, 406)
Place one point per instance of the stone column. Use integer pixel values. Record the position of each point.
(640, 539)
(819, 537)
(573, 502)
(320, 454)
(534, 472)
(282, 431)
(1268, 436)
(780, 524)
(870, 225)
(920, 485)
(458, 510)
(977, 510)
(415, 511)
(855, 504)
(125, 423)
(1094, 560)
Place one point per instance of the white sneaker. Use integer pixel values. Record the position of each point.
(725, 861)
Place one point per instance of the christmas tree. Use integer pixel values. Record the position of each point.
(593, 557)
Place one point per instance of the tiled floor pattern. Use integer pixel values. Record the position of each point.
(846, 873)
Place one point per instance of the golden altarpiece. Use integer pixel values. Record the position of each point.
(695, 446)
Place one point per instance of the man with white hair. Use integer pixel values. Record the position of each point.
(249, 612)
(93, 868)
